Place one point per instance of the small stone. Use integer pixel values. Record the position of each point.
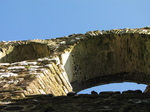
(77, 38)
(138, 91)
(132, 91)
(5, 103)
(49, 95)
(35, 100)
(10, 82)
(14, 108)
(48, 65)
(145, 101)
(3, 41)
(34, 67)
(106, 107)
(71, 93)
(43, 59)
(129, 91)
(6, 86)
(147, 27)
(63, 42)
(20, 63)
(144, 31)
(72, 41)
(32, 63)
(7, 74)
(16, 67)
(42, 91)
(110, 92)
(94, 92)
(138, 101)
(4, 64)
(2, 70)
(18, 91)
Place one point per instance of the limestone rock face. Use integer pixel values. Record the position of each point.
(73, 63)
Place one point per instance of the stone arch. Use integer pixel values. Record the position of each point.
(108, 58)
(73, 63)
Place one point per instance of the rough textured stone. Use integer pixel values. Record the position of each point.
(86, 103)
(79, 61)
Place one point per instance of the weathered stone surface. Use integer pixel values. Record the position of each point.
(79, 61)
(86, 103)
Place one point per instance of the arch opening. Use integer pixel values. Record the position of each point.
(115, 87)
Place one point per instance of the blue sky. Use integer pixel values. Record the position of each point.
(115, 87)
(45, 19)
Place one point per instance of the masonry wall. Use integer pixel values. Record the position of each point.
(59, 66)
(116, 57)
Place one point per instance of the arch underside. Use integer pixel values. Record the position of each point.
(137, 77)
(22, 52)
